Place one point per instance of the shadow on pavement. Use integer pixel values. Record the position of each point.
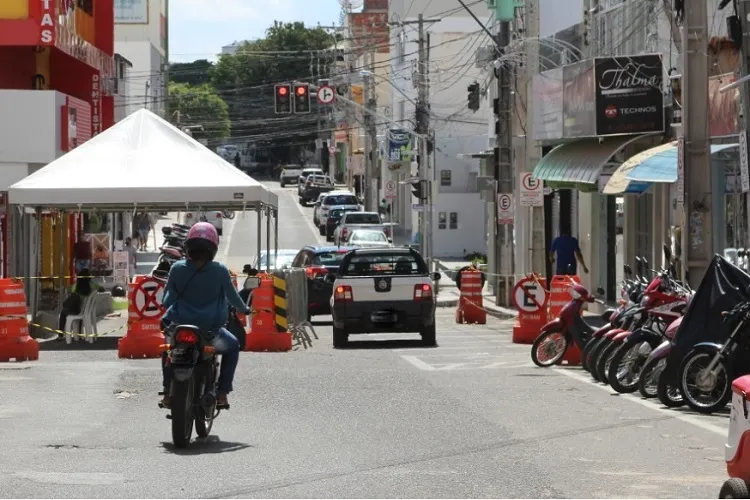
(384, 344)
(321, 322)
(101, 344)
(211, 444)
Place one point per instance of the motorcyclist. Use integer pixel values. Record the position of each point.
(196, 291)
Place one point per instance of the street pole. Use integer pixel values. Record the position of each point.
(423, 126)
(743, 10)
(165, 101)
(696, 183)
(372, 131)
(369, 143)
(503, 172)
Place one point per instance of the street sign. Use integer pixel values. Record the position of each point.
(332, 149)
(744, 175)
(390, 189)
(326, 95)
(532, 191)
(529, 296)
(147, 298)
(417, 207)
(505, 211)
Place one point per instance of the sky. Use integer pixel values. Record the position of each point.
(199, 28)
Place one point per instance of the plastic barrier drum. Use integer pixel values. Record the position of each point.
(470, 307)
(531, 299)
(15, 342)
(144, 338)
(264, 334)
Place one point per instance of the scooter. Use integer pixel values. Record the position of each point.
(569, 328)
(648, 382)
(737, 449)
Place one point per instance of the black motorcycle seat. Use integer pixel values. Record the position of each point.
(181, 226)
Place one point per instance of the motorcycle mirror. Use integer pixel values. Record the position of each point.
(645, 264)
(251, 283)
(600, 291)
(628, 270)
(638, 265)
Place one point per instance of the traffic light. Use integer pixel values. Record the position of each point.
(301, 97)
(283, 99)
(473, 96)
(419, 190)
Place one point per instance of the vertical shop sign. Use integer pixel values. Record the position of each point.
(47, 23)
(96, 125)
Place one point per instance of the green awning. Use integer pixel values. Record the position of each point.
(577, 165)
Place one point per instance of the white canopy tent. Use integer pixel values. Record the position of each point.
(141, 162)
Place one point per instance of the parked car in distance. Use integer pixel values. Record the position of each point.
(316, 208)
(289, 174)
(334, 217)
(318, 261)
(358, 220)
(215, 217)
(335, 198)
(368, 238)
(313, 186)
(306, 171)
(283, 260)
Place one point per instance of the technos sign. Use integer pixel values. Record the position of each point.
(629, 96)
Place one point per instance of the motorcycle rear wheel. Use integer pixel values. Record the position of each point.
(648, 381)
(559, 352)
(691, 393)
(588, 351)
(636, 360)
(595, 355)
(182, 412)
(602, 364)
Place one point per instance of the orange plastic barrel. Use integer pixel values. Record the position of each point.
(12, 298)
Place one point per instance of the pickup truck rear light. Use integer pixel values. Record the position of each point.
(189, 215)
(309, 182)
(218, 215)
(344, 232)
(387, 231)
(422, 292)
(313, 272)
(343, 293)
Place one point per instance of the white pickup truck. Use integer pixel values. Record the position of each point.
(383, 290)
(358, 220)
(289, 174)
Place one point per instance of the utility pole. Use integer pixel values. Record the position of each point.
(370, 144)
(696, 183)
(423, 127)
(743, 10)
(503, 172)
(372, 131)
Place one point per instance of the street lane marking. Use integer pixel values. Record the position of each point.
(315, 231)
(688, 419)
(418, 363)
(228, 239)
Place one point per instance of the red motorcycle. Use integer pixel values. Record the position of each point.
(567, 329)
(650, 379)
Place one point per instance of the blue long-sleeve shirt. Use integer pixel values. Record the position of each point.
(198, 296)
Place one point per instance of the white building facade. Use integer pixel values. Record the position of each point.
(458, 214)
(141, 37)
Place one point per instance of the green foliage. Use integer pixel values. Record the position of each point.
(199, 105)
(193, 73)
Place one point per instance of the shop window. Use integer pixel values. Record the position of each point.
(442, 220)
(445, 177)
(454, 220)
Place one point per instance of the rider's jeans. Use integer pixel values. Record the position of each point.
(227, 345)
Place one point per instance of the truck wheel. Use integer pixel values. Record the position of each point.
(734, 488)
(340, 337)
(428, 335)
(322, 230)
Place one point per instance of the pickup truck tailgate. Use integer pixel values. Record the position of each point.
(383, 288)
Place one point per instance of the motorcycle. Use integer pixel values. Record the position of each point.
(706, 373)
(665, 300)
(569, 328)
(650, 383)
(195, 367)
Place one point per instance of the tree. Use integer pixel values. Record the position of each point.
(193, 106)
(246, 80)
(193, 73)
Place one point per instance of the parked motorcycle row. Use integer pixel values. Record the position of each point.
(664, 340)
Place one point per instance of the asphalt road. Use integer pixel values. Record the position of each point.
(471, 418)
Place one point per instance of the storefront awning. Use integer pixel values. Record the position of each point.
(578, 164)
(658, 164)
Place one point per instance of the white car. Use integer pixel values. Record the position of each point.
(368, 238)
(215, 217)
(317, 210)
(284, 259)
(345, 200)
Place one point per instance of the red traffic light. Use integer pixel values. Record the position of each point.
(282, 91)
(301, 90)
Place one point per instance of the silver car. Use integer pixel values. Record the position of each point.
(368, 238)
(283, 260)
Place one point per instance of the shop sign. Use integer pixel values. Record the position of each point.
(399, 146)
(47, 23)
(629, 94)
(547, 90)
(578, 108)
(96, 124)
(131, 12)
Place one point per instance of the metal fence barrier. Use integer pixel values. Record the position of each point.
(290, 304)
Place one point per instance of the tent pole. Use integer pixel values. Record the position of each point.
(260, 234)
(276, 235)
(268, 240)
(60, 222)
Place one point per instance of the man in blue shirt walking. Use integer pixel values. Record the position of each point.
(567, 250)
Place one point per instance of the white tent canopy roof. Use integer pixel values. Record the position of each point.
(142, 161)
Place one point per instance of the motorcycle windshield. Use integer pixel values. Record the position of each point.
(723, 287)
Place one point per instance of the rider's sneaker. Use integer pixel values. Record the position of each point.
(222, 401)
(165, 402)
